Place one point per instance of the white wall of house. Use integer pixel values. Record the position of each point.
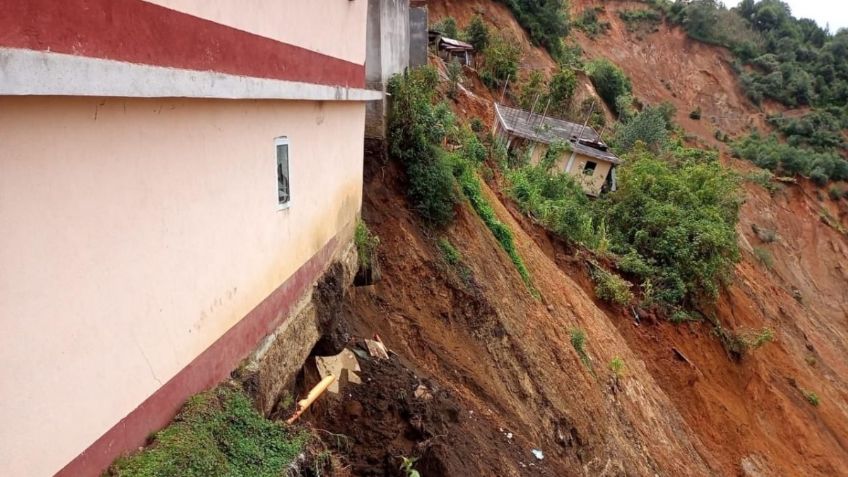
(135, 233)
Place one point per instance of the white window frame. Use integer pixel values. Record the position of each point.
(283, 141)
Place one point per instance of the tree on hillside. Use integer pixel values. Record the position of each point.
(477, 33)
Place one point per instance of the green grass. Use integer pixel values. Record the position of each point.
(366, 244)
(578, 341)
(811, 397)
(217, 433)
(450, 254)
(616, 365)
(470, 185)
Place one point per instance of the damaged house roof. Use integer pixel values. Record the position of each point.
(449, 43)
(535, 127)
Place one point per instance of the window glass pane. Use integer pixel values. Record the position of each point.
(284, 191)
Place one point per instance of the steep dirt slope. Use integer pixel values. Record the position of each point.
(666, 65)
(683, 406)
(507, 357)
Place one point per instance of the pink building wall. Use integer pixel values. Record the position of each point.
(143, 253)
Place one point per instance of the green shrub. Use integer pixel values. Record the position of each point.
(644, 19)
(366, 245)
(546, 21)
(217, 432)
(758, 338)
(415, 131)
(561, 90)
(763, 178)
(447, 27)
(589, 22)
(616, 365)
(455, 76)
(470, 184)
(501, 59)
(611, 287)
(609, 80)
(771, 154)
(649, 126)
(477, 33)
(811, 397)
(449, 253)
(578, 341)
(554, 199)
(680, 217)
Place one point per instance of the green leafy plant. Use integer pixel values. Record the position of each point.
(407, 466)
(470, 186)
(447, 27)
(449, 253)
(416, 129)
(366, 244)
(616, 365)
(609, 80)
(811, 397)
(611, 287)
(500, 62)
(757, 339)
(546, 21)
(641, 19)
(477, 33)
(455, 76)
(217, 432)
(578, 341)
(590, 23)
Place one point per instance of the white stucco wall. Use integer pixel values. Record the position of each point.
(135, 233)
(333, 27)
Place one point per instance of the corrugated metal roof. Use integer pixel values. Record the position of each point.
(538, 128)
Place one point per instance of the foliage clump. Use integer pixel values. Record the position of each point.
(447, 27)
(578, 341)
(610, 81)
(590, 23)
(415, 132)
(217, 432)
(611, 288)
(546, 21)
(551, 96)
(769, 153)
(500, 61)
(366, 245)
(679, 216)
(641, 19)
(477, 33)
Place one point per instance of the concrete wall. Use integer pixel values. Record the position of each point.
(418, 36)
(591, 184)
(135, 234)
(387, 54)
(333, 27)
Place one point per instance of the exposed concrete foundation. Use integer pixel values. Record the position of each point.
(274, 365)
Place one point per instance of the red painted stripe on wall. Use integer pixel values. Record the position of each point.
(204, 372)
(139, 32)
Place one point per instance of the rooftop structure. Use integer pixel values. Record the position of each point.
(587, 158)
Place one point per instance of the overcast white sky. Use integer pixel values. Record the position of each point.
(824, 12)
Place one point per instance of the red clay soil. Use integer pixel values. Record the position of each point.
(500, 361)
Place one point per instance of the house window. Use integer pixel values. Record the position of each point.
(283, 184)
(589, 169)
